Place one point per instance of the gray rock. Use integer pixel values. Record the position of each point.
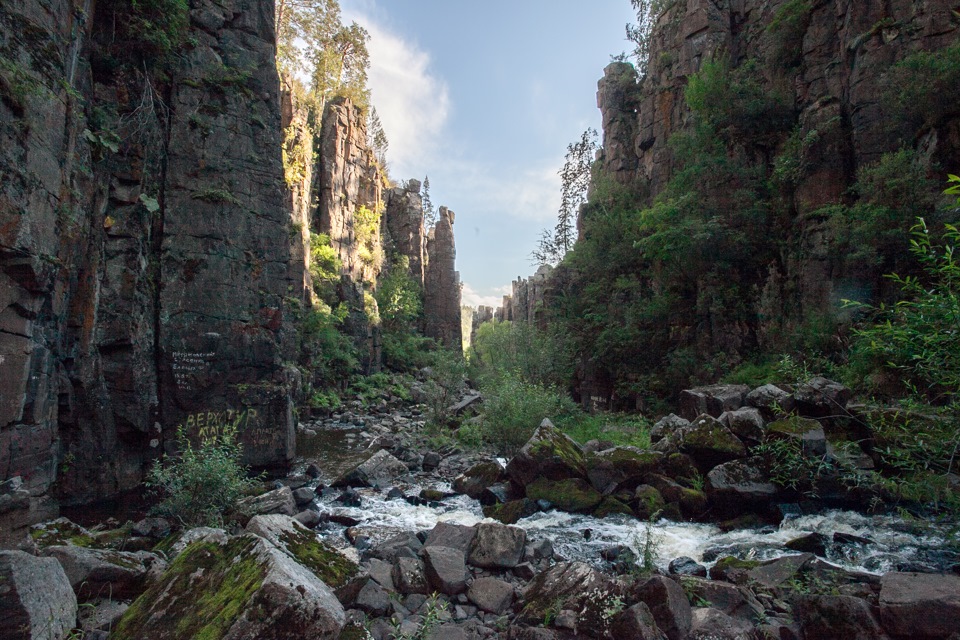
(36, 599)
(711, 400)
(308, 518)
(431, 460)
(102, 616)
(102, 573)
(740, 485)
(667, 425)
(207, 534)
(669, 605)
(821, 398)
(746, 423)
(491, 595)
(497, 546)
(380, 571)
(402, 545)
(684, 566)
(290, 595)
(711, 624)
(710, 443)
(771, 400)
(838, 617)
(475, 480)
(152, 528)
(303, 496)
(636, 623)
(276, 501)
(409, 576)
(445, 568)
(380, 470)
(373, 600)
(550, 454)
(907, 600)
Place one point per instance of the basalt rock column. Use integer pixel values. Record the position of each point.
(405, 232)
(441, 305)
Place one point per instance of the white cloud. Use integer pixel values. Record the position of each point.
(527, 194)
(472, 298)
(412, 103)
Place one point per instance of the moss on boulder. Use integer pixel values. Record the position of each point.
(241, 588)
(571, 494)
(511, 512)
(610, 505)
(549, 453)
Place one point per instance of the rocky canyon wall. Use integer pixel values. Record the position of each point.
(441, 299)
(145, 261)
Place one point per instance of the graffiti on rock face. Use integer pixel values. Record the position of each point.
(206, 425)
(187, 364)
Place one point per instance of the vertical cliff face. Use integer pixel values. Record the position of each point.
(829, 61)
(144, 248)
(525, 304)
(405, 234)
(441, 303)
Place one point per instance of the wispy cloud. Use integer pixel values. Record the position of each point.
(412, 102)
(493, 298)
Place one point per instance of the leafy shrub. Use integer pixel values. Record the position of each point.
(330, 355)
(203, 482)
(401, 307)
(786, 32)
(152, 28)
(447, 375)
(620, 429)
(325, 267)
(521, 349)
(924, 87)
(513, 408)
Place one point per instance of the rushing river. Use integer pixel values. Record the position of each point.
(887, 542)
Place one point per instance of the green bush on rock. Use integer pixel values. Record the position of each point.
(203, 482)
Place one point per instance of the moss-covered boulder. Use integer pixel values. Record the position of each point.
(809, 432)
(550, 454)
(621, 468)
(475, 480)
(569, 585)
(710, 443)
(105, 573)
(648, 502)
(61, 532)
(337, 571)
(740, 486)
(242, 589)
(571, 494)
(611, 505)
(511, 512)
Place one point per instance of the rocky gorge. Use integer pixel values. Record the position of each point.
(192, 250)
(387, 537)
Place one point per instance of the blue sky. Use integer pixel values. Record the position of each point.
(484, 98)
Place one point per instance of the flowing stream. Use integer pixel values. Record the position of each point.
(871, 543)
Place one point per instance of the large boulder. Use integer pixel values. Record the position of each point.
(337, 571)
(103, 573)
(550, 454)
(491, 595)
(478, 478)
(666, 426)
(740, 485)
(771, 400)
(445, 568)
(711, 624)
(813, 440)
(567, 585)
(243, 589)
(452, 535)
(379, 470)
(409, 576)
(569, 494)
(822, 398)
(636, 623)
(276, 501)
(746, 423)
(837, 617)
(36, 599)
(497, 546)
(710, 443)
(920, 605)
(621, 468)
(712, 400)
(669, 605)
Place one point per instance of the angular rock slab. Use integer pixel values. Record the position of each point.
(837, 616)
(36, 600)
(104, 573)
(491, 595)
(242, 589)
(549, 453)
(669, 605)
(446, 569)
(336, 570)
(712, 624)
(276, 501)
(379, 470)
(920, 604)
(567, 585)
(497, 546)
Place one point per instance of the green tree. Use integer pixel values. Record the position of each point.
(377, 137)
(574, 183)
(429, 212)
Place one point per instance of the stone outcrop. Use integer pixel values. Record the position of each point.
(441, 302)
(144, 248)
(527, 300)
(405, 234)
